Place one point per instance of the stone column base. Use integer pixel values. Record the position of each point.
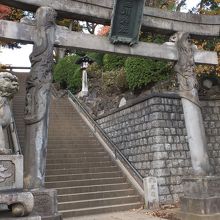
(7, 216)
(20, 203)
(191, 216)
(45, 204)
(201, 198)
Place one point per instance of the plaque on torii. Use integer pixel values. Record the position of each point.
(126, 21)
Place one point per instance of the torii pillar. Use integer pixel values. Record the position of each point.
(37, 112)
(201, 198)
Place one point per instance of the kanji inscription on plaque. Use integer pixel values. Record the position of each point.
(126, 21)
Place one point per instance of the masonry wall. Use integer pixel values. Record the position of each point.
(151, 133)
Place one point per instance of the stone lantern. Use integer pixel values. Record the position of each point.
(84, 63)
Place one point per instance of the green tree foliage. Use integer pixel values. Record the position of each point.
(141, 71)
(75, 81)
(66, 72)
(113, 62)
(97, 57)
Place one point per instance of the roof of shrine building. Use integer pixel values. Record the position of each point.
(101, 12)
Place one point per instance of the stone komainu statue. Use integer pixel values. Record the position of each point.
(8, 87)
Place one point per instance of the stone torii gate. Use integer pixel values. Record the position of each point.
(45, 34)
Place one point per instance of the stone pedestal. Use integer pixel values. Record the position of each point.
(11, 172)
(201, 198)
(45, 204)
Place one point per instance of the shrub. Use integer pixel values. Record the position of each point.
(108, 81)
(94, 71)
(65, 69)
(141, 71)
(75, 81)
(114, 81)
(121, 81)
(112, 62)
(97, 57)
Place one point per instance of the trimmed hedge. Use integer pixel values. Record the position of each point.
(141, 71)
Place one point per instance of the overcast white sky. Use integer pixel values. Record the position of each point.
(20, 57)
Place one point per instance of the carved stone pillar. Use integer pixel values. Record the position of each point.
(201, 198)
(36, 115)
(191, 106)
(38, 98)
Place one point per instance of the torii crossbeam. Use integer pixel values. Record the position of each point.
(101, 12)
(70, 39)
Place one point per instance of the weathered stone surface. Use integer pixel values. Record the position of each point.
(123, 102)
(139, 146)
(7, 216)
(101, 11)
(45, 204)
(201, 197)
(8, 87)
(37, 99)
(21, 203)
(191, 216)
(70, 39)
(151, 194)
(11, 172)
(191, 106)
(201, 187)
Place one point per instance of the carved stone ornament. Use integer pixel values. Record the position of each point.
(20, 203)
(184, 67)
(8, 87)
(38, 99)
(39, 81)
(191, 107)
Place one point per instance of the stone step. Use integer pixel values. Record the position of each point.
(55, 140)
(85, 182)
(74, 145)
(73, 150)
(81, 170)
(67, 177)
(92, 188)
(101, 209)
(98, 202)
(78, 160)
(72, 135)
(95, 195)
(76, 155)
(85, 176)
(78, 165)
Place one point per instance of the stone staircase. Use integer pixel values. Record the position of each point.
(86, 178)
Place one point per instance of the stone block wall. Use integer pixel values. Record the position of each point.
(151, 134)
(211, 116)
